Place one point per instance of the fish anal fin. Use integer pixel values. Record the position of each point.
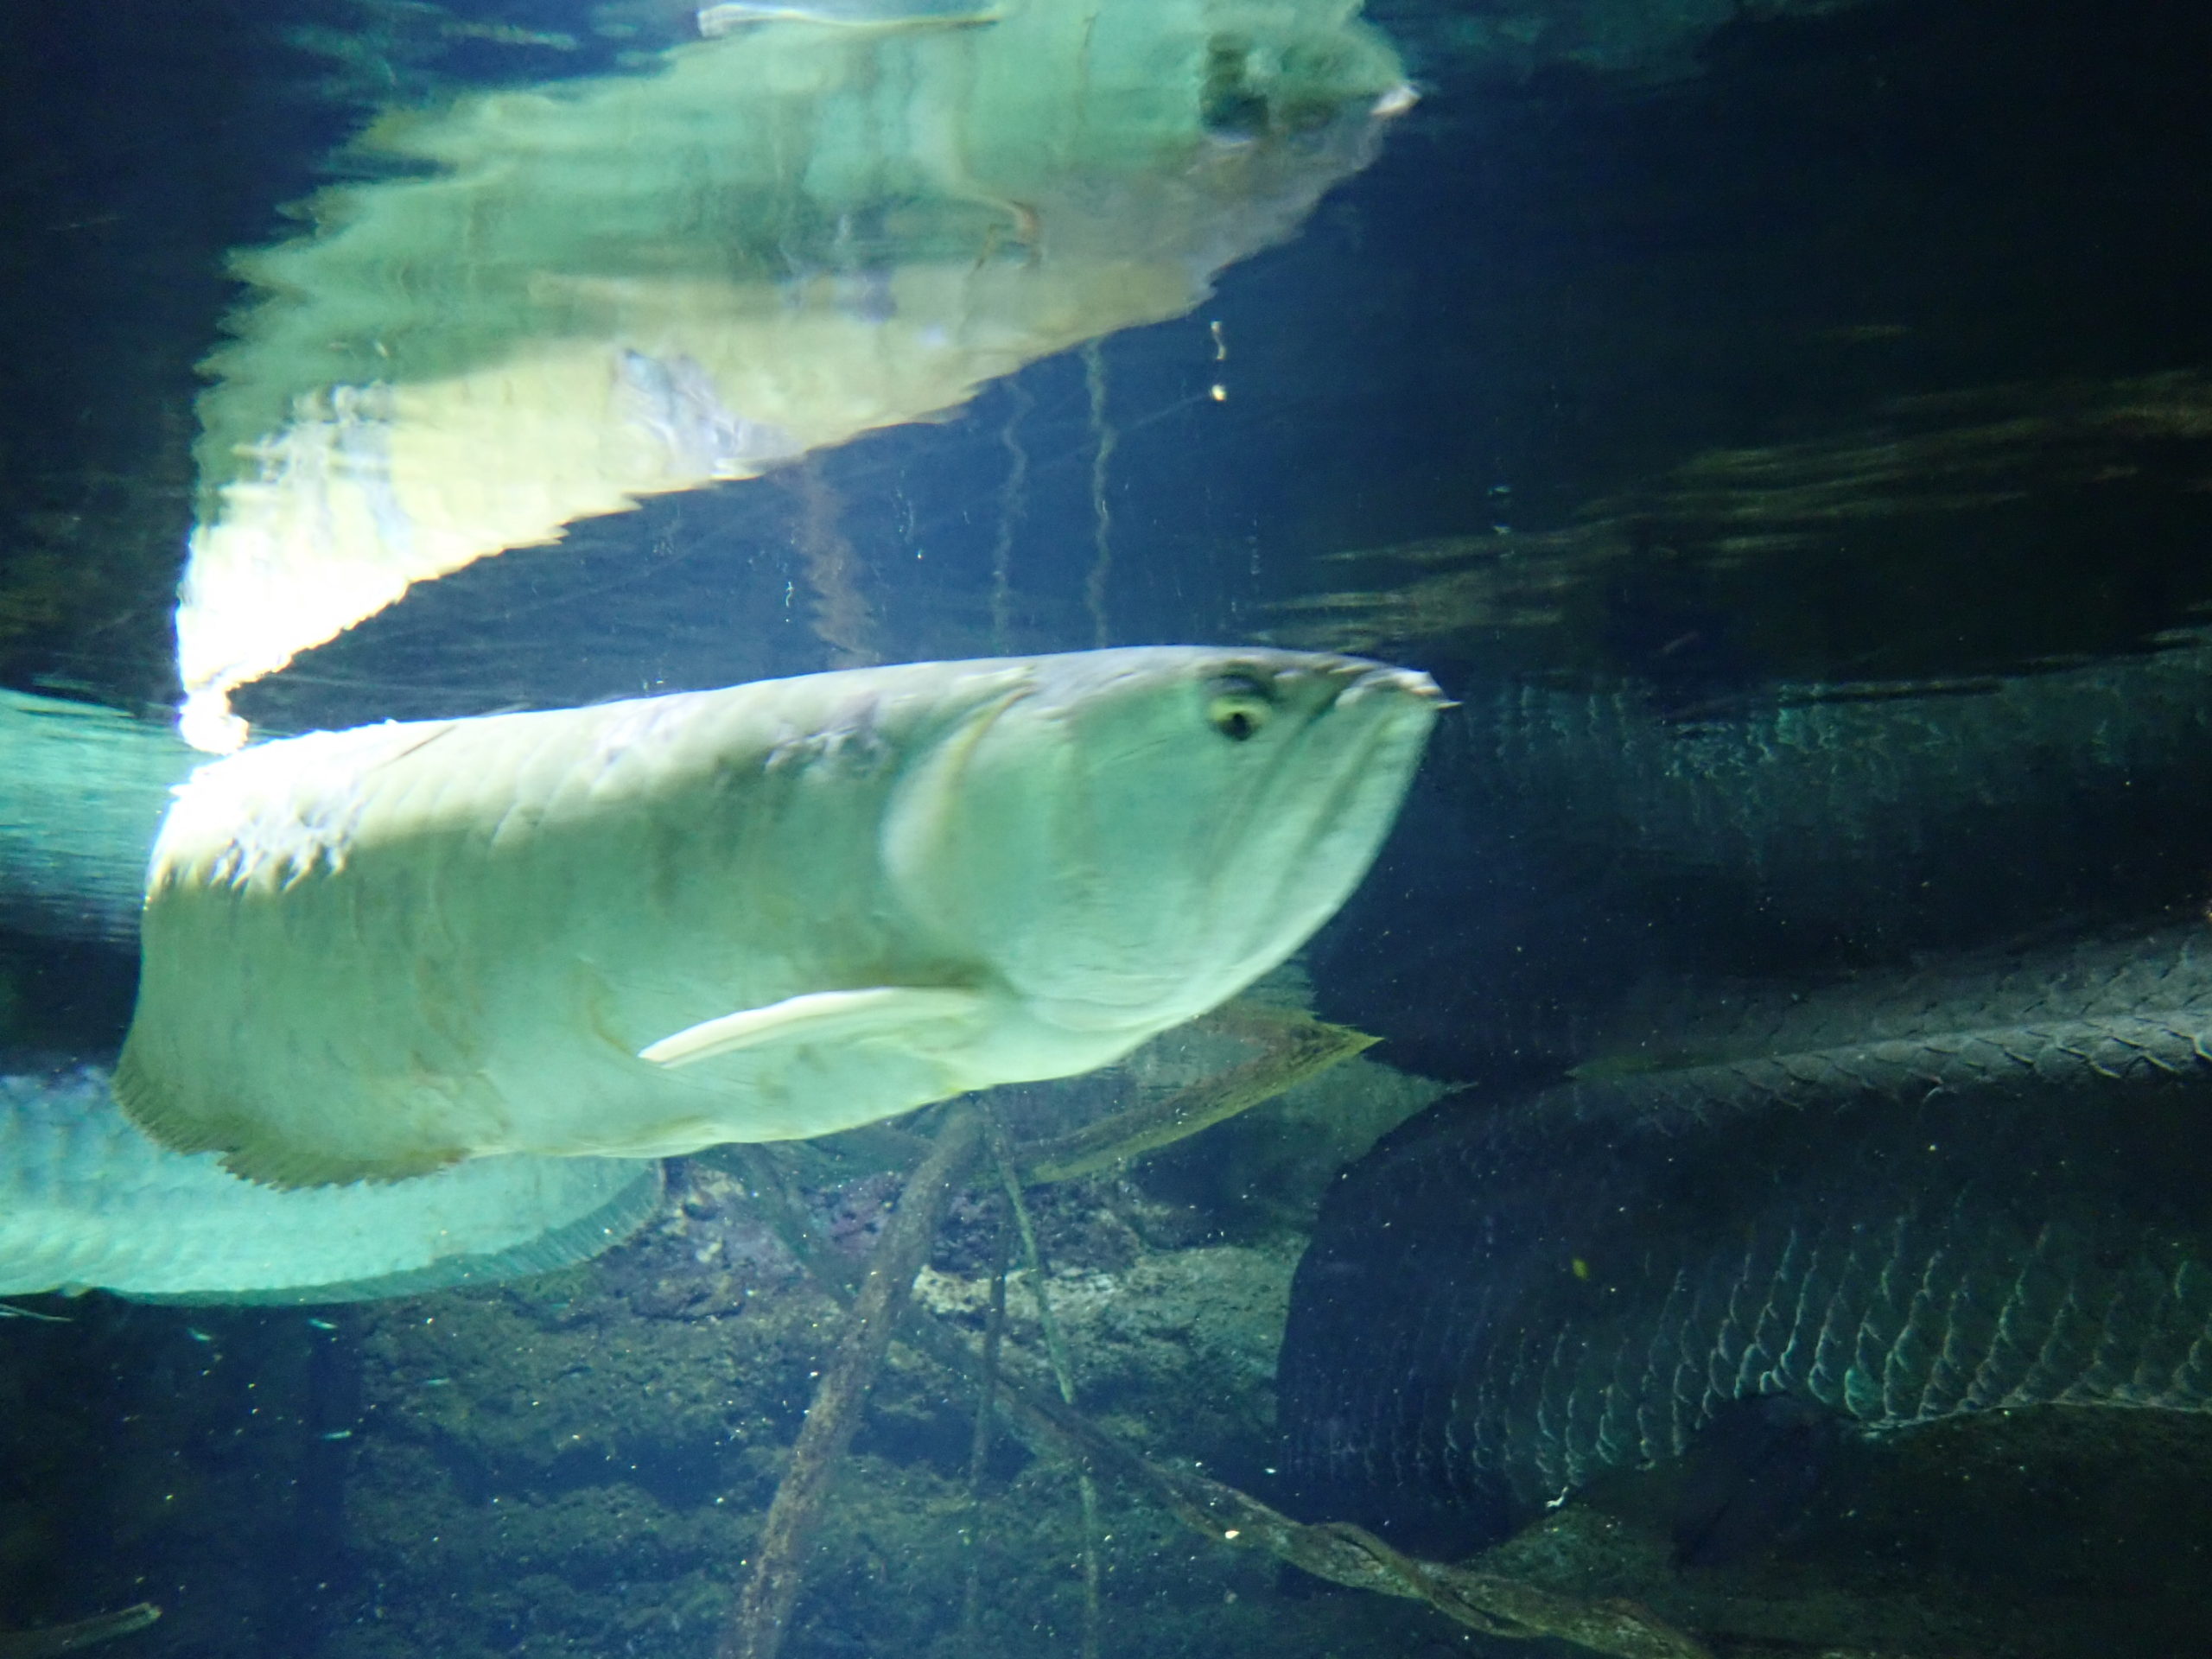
(254, 1153)
(286, 1164)
(878, 1012)
(148, 1105)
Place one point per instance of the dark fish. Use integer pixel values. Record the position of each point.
(2104, 977)
(1931, 814)
(1502, 1302)
(1566, 854)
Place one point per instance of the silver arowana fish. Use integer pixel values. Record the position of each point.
(770, 912)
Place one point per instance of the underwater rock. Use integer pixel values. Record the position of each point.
(1199, 1327)
(709, 1253)
(591, 1478)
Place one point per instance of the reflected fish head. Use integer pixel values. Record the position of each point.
(1124, 839)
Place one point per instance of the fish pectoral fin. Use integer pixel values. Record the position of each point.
(878, 1012)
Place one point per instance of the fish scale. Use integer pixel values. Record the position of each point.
(1807, 773)
(1794, 828)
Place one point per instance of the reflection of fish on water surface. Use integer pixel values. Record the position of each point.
(1933, 1220)
(549, 302)
(675, 399)
(766, 912)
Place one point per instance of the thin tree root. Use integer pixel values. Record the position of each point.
(1343, 1555)
(1295, 1045)
(1346, 1555)
(1056, 1350)
(979, 1449)
(757, 1627)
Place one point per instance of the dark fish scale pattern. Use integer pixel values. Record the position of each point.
(1501, 1303)
(1807, 774)
(2122, 1050)
(1921, 816)
(2169, 971)
(1891, 1326)
(1594, 864)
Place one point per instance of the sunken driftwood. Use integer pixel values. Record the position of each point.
(1343, 1555)
(1295, 1046)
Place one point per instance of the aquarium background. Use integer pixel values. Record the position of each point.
(1784, 429)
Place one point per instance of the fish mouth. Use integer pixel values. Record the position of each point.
(1381, 679)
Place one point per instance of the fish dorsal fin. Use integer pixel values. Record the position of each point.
(880, 1011)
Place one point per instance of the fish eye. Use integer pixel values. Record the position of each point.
(1238, 707)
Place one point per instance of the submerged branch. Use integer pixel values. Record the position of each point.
(1343, 1554)
(1295, 1046)
(756, 1628)
(979, 1447)
(1346, 1555)
(1056, 1350)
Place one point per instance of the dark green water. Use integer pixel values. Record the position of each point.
(1785, 430)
